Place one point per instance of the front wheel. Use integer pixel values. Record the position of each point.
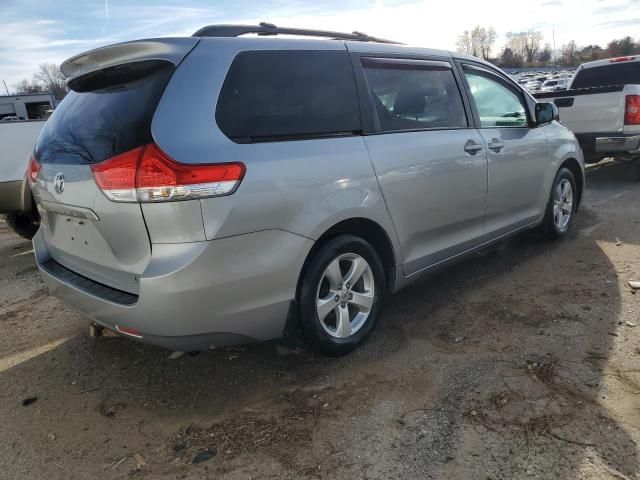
(340, 295)
(561, 206)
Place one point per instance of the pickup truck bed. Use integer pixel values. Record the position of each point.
(596, 116)
(17, 140)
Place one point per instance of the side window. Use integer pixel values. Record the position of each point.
(497, 104)
(413, 95)
(278, 95)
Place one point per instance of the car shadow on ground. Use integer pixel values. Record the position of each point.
(498, 366)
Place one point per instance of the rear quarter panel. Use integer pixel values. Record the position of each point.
(303, 187)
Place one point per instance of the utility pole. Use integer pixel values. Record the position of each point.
(555, 62)
(5, 87)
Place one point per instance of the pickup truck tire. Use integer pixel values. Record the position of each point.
(24, 224)
(561, 206)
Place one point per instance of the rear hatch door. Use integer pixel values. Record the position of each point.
(108, 112)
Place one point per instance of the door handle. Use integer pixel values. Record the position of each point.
(496, 145)
(472, 147)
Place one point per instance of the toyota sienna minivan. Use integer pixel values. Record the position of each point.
(238, 185)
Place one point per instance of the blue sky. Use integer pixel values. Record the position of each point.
(37, 31)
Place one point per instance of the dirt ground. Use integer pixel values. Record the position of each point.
(521, 362)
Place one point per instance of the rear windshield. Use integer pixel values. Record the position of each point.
(106, 114)
(608, 75)
(286, 95)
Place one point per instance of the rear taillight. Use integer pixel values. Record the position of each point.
(632, 110)
(34, 168)
(147, 174)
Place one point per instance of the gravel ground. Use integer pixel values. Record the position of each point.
(521, 362)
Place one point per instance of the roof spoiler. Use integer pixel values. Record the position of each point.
(171, 50)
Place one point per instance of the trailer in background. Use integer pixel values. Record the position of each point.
(27, 107)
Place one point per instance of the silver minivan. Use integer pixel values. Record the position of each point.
(225, 188)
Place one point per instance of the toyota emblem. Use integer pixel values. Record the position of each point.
(59, 183)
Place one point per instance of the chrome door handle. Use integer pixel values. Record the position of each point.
(496, 145)
(472, 147)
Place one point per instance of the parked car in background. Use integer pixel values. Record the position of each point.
(533, 85)
(17, 139)
(602, 107)
(554, 84)
(331, 173)
(11, 118)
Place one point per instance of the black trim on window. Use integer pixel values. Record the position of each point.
(404, 63)
(293, 137)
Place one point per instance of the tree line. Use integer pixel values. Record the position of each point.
(528, 49)
(47, 79)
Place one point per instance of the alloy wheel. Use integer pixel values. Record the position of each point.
(345, 295)
(562, 204)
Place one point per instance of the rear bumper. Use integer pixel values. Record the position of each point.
(608, 143)
(617, 144)
(195, 296)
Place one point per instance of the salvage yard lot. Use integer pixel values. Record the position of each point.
(522, 362)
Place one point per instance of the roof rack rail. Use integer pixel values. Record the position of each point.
(266, 29)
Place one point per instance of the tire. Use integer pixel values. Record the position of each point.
(320, 287)
(560, 205)
(24, 224)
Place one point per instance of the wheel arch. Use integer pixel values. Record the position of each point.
(369, 231)
(574, 167)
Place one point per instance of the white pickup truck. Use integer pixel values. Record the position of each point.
(17, 140)
(602, 107)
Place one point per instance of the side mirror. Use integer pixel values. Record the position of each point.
(546, 113)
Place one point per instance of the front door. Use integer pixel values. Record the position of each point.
(518, 153)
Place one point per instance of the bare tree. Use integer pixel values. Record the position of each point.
(51, 77)
(25, 87)
(477, 42)
(525, 44)
(624, 46)
(464, 43)
(532, 45)
(545, 55)
(516, 44)
(483, 40)
(591, 53)
(508, 58)
(569, 54)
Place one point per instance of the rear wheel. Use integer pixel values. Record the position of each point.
(24, 224)
(561, 206)
(340, 295)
